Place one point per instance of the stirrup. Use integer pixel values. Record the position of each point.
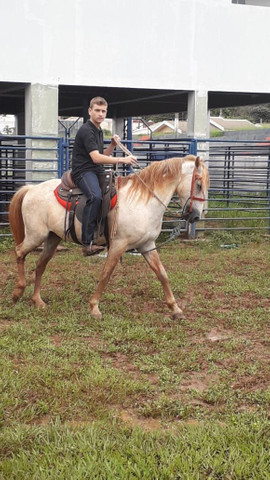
(92, 249)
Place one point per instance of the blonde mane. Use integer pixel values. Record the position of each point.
(154, 176)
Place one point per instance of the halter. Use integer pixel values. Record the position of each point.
(195, 176)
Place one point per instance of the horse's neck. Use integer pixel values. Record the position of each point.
(165, 192)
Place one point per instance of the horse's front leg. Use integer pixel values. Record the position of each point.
(154, 262)
(114, 256)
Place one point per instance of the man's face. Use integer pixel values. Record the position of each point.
(97, 114)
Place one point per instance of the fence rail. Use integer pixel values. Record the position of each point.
(239, 195)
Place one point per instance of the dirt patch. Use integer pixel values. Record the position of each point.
(215, 335)
(147, 424)
(56, 340)
(5, 324)
(199, 381)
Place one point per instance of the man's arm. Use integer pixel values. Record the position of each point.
(106, 160)
(111, 147)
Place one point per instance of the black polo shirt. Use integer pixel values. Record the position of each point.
(88, 139)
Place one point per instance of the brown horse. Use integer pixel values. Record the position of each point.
(36, 217)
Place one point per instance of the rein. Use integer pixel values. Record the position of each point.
(177, 230)
(125, 150)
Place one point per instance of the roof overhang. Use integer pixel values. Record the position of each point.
(123, 102)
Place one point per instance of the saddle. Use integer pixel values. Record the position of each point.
(73, 200)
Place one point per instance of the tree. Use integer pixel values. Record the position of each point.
(260, 113)
(6, 130)
(253, 113)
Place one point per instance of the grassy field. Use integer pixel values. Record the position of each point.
(139, 395)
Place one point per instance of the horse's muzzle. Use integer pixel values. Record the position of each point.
(192, 216)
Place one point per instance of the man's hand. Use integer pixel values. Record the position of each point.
(130, 160)
(114, 140)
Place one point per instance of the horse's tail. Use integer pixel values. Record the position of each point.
(15, 214)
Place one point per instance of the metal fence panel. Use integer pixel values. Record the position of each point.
(26, 160)
(239, 195)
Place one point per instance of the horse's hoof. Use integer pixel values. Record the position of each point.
(15, 298)
(94, 310)
(178, 316)
(39, 303)
(97, 315)
(17, 294)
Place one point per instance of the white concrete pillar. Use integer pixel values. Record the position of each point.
(118, 127)
(198, 128)
(197, 123)
(41, 120)
(198, 119)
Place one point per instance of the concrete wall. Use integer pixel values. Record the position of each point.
(175, 44)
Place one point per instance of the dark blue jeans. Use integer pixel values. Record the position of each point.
(89, 185)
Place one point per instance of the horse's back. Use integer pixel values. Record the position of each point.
(40, 207)
(48, 185)
(42, 190)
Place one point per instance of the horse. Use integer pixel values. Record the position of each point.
(36, 217)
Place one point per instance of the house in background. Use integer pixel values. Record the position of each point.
(155, 129)
(230, 124)
(178, 129)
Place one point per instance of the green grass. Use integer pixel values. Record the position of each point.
(139, 395)
(117, 452)
(241, 213)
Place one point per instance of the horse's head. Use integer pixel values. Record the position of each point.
(193, 188)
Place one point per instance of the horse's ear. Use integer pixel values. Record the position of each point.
(198, 162)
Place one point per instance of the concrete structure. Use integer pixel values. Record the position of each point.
(145, 57)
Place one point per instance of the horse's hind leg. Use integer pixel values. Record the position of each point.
(22, 251)
(21, 283)
(154, 262)
(50, 246)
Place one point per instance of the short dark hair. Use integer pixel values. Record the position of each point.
(98, 101)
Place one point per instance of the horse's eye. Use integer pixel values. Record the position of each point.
(199, 187)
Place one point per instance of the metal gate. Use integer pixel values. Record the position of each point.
(239, 195)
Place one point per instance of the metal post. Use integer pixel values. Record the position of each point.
(193, 147)
(268, 190)
(128, 169)
(60, 157)
(191, 227)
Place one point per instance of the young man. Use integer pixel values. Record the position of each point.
(88, 160)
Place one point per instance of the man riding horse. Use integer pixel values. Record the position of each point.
(88, 160)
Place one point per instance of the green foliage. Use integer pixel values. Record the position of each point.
(216, 134)
(254, 113)
(6, 242)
